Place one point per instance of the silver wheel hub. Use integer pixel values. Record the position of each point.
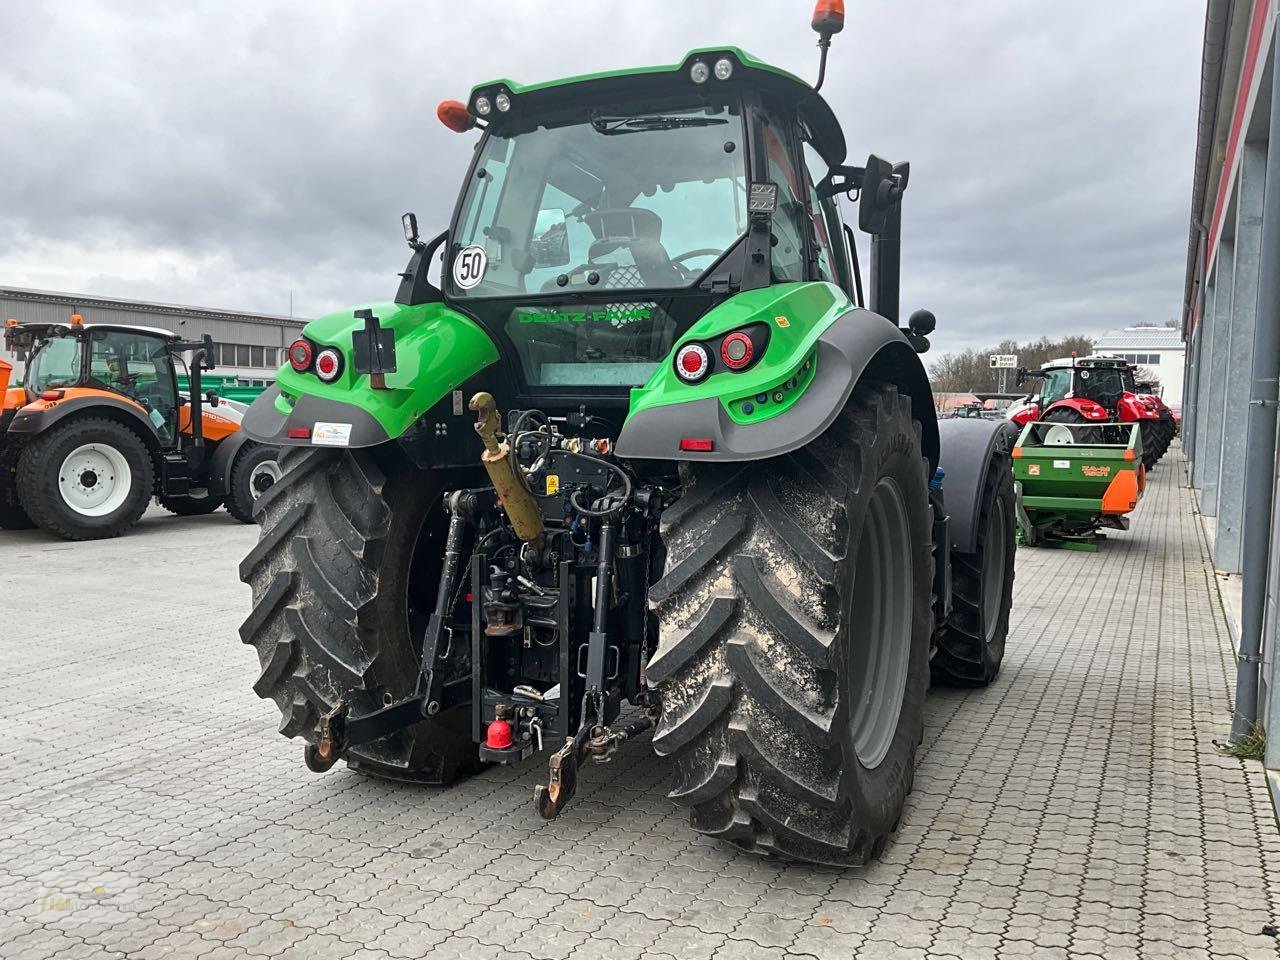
(264, 476)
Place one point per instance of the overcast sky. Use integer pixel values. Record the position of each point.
(227, 155)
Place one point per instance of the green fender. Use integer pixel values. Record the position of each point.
(437, 349)
(820, 346)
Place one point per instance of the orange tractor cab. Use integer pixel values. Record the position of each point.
(98, 428)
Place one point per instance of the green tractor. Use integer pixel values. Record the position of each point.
(719, 504)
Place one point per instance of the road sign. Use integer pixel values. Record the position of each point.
(1004, 361)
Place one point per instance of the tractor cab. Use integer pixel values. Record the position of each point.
(602, 216)
(72, 360)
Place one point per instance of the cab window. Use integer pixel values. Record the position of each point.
(790, 219)
(827, 231)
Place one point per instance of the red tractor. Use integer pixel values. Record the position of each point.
(1095, 389)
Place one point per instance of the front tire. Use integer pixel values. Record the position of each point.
(795, 619)
(347, 539)
(87, 479)
(970, 645)
(255, 471)
(191, 506)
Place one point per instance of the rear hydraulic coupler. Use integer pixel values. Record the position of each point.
(514, 495)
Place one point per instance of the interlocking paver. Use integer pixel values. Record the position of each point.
(1078, 807)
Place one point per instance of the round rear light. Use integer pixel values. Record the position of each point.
(736, 350)
(692, 362)
(300, 355)
(328, 364)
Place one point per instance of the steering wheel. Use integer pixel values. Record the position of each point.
(689, 255)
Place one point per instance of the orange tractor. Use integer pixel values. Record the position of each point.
(98, 428)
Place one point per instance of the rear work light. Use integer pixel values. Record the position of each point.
(300, 355)
(328, 364)
(692, 362)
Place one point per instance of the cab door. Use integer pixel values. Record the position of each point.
(138, 367)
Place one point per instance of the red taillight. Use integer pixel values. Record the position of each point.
(455, 115)
(692, 362)
(736, 350)
(697, 444)
(53, 394)
(299, 433)
(300, 355)
(328, 364)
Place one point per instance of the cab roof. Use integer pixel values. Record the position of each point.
(1095, 360)
(122, 327)
(828, 138)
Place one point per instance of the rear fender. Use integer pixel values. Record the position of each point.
(1087, 409)
(35, 418)
(820, 347)
(222, 459)
(968, 448)
(437, 348)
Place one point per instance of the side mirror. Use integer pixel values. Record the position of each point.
(211, 397)
(882, 187)
(550, 244)
(1021, 377)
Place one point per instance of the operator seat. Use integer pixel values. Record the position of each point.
(638, 232)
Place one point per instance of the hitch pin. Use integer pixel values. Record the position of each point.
(530, 585)
(535, 727)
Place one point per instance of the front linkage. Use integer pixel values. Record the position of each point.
(537, 562)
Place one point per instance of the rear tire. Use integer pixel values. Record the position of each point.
(792, 722)
(347, 538)
(1067, 415)
(12, 516)
(255, 471)
(87, 479)
(970, 644)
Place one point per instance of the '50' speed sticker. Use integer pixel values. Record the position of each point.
(468, 266)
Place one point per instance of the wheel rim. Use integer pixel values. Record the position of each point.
(880, 624)
(263, 477)
(1058, 436)
(94, 480)
(995, 550)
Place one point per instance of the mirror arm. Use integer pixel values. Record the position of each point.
(415, 285)
(840, 179)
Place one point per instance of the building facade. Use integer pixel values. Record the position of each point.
(1159, 349)
(249, 346)
(1231, 326)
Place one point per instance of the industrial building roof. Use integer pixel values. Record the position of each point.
(1167, 338)
(82, 300)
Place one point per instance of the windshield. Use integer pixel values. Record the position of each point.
(56, 364)
(1057, 383)
(1099, 382)
(617, 199)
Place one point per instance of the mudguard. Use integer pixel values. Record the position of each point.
(1088, 410)
(967, 447)
(437, 349)
(39, 416)
(224, 455)
(809, 380)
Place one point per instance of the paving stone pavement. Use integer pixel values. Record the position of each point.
(1078, 807)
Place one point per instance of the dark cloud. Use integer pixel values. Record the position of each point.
(229, 155)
